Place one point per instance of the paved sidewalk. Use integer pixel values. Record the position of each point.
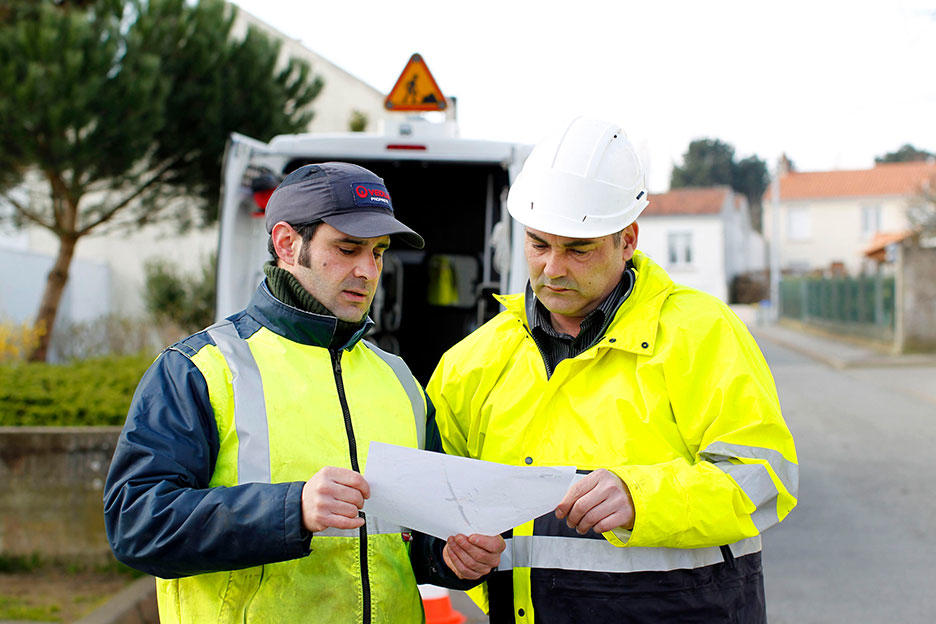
(836, 352)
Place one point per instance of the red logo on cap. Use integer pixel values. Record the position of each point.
(362, 192)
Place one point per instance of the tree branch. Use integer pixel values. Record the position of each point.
(28, 214)
(109, 213)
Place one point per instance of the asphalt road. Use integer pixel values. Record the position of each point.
(861, 544)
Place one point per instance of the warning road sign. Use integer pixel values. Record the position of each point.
(415, 89)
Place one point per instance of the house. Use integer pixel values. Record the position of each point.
(702, 237)
(828, 219)
(111, 266)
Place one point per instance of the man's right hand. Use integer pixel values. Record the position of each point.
(332, 498)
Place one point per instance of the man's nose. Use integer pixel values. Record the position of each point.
(368, 268)
(554, 266)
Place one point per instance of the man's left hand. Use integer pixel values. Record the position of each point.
(471, 557)
(600, 501)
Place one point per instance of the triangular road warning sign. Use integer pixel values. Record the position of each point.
(415, 89)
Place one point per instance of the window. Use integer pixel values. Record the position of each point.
(870, 221)
(799, 226)
(679, 245)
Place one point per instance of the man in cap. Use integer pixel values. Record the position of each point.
(654, 391)
(237, 479)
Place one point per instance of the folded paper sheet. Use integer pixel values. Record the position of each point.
(444, 495)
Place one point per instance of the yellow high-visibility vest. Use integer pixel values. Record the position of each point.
(280, 418)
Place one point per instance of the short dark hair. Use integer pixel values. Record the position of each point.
(306, 231)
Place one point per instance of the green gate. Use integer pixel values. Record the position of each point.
(855, 305)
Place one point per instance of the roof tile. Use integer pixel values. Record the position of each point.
(687, 201)
(884, 179)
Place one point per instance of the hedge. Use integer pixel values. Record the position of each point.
(93, 392)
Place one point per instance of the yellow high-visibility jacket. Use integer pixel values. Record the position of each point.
(677, 400)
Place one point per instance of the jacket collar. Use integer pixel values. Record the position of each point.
(297, 325)
(636, 321)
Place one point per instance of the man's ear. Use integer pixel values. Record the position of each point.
(286, 243)
(629, 240)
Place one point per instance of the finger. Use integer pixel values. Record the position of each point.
(452, 561)
(583, 505)
(348, 478)
(596, 514)
(348, 494)
(575, 491)
(475, 564)
(618, 519)
(338, 521)
(479, 559)
(465, 566)
(490, 543)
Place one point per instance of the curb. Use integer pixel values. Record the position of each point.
(135, 604)
(871, 361)
(793, 346)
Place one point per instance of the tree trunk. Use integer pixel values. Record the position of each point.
(55, 286)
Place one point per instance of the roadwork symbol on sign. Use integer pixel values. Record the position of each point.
(415, 89)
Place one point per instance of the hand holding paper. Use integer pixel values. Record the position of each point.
(444, 495)
(473, 556)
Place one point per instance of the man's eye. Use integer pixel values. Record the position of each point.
(346, 252)
(578, 252)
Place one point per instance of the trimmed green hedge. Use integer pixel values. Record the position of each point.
(94, 392)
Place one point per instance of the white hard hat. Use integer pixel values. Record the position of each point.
(582, 182)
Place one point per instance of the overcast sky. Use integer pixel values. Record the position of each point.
(831, 83)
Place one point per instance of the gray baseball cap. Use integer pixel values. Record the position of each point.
(347, 197)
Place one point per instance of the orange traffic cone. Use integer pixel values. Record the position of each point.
(438, 606)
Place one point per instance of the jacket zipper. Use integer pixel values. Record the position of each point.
(546, 365)
(352, 445)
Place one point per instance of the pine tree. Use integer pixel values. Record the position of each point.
(123, 108)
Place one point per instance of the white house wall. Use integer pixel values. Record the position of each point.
(835, 230)
(87, 294)
(707, 271)
(341, 94)
(126, 255)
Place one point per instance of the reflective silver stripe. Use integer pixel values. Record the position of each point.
(787, 471)
(375, 526)
(402, 371)
(755, 480)
(593, 555)
(746, 546)
(250, 417)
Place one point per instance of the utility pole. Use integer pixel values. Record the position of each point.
(775, 242)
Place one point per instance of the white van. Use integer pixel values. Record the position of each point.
(451, 190)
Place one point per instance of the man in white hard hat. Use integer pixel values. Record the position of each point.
(656, 393)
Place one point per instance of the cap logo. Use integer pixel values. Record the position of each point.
(368, 194)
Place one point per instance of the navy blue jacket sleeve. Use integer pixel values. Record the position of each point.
(161, 515)
(426, 550)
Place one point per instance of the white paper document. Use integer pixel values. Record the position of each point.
(443, 495)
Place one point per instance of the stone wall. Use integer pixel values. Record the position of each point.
(51, 486)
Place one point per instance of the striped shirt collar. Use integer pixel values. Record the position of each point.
(555, 345)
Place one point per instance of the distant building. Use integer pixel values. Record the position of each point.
(828, 219)
(702, 237)
(342, 94)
